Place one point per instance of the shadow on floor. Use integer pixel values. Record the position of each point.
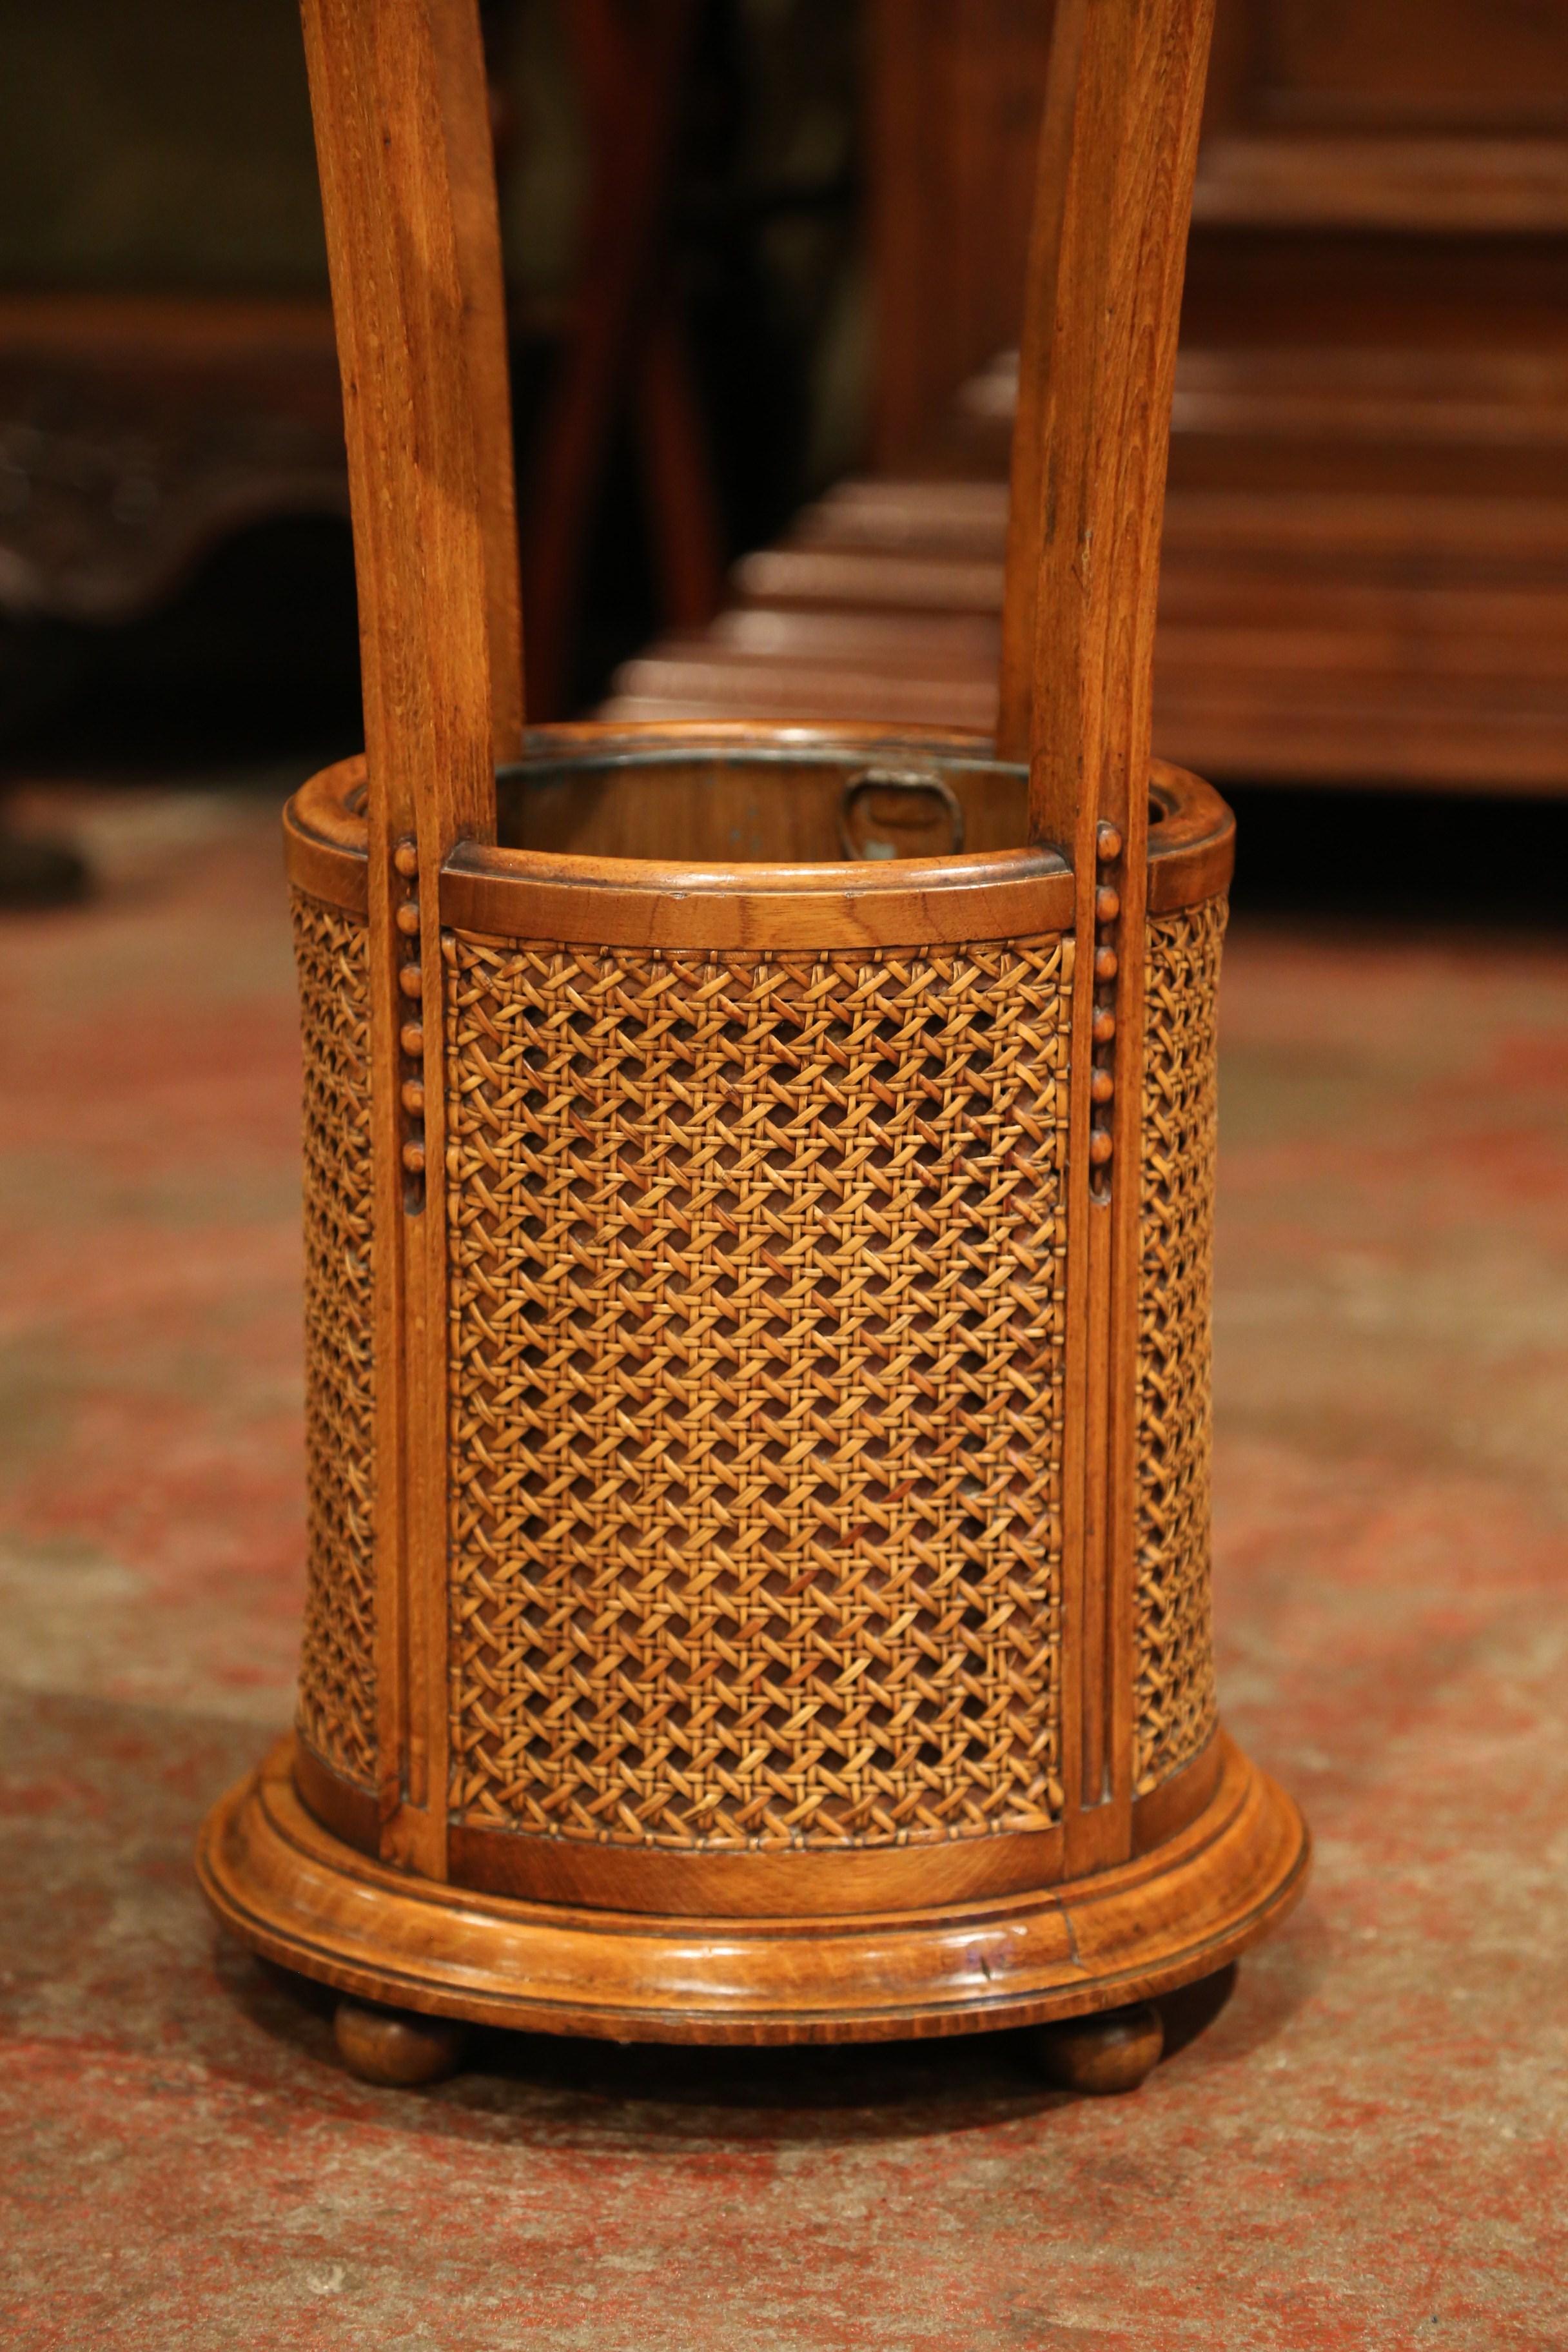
(571, 2089)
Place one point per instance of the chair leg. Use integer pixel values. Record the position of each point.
(1102, 2055)
(397, 2046)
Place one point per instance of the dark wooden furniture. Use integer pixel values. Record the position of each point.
(136, 431)
(623, 347)
(758, 1192)
(1367, 553)
(139, 430)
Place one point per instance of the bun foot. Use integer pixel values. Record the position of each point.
(1102, 2055)
(397, 2046)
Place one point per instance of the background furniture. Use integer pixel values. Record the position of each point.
(626, 342)
(167, 380)
(1366, 555)
(1367, 549)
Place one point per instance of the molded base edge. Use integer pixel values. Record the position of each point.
(299, 1896)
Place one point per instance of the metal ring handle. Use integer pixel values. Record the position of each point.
(896, 780)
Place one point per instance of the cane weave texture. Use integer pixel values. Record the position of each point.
(337, 1665)
(756, 1334)
(1175, 1708)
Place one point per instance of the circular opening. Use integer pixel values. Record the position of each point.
(762, 805)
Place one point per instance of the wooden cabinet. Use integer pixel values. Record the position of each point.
(1367, 549)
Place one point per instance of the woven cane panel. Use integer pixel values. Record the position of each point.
(1176, 1692)
(757, 1318)
(337, 1664)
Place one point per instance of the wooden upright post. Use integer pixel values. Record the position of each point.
(398, 91)
(1119, 151)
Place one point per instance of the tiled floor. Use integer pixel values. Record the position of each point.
(1365, 2148)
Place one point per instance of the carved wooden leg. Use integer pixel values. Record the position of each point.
(397, 2046)
(1104, 2054)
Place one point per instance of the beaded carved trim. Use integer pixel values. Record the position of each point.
(757, 1267)
(1176, 1710)
(337, 1664)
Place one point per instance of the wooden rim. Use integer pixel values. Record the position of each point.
(299, 1896)
(500, 894)
(509, 893)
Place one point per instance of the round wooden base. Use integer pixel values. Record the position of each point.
(301, 1897)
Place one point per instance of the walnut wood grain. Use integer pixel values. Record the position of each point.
(1104, 2056)
(752, 1886)
(1119, 148)
(383, 89)
(302, 1898)
(626, 902)
(1176, 1801)
(756, 1886)
(1192, 839)
(397, 2048)
(470, 163)
(350, 1812)
(758, 1697)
